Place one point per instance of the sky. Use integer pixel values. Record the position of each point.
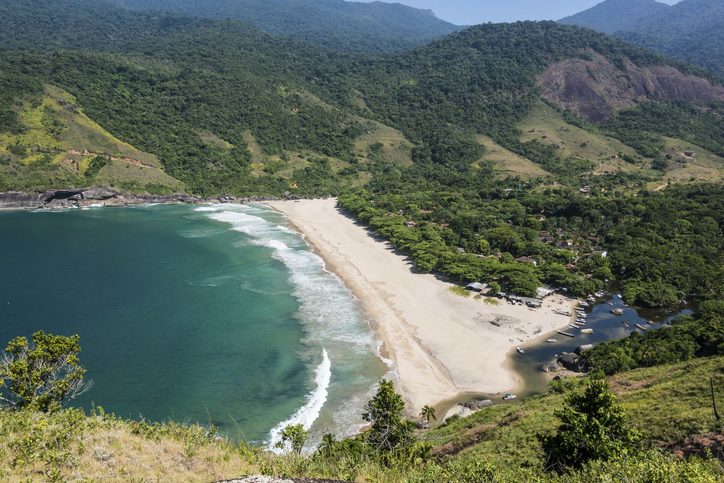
(470, 12)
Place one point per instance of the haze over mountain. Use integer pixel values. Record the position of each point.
(335, 23)
(691, 30)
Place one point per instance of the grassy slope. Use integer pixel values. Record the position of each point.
(665, 403)
(507, 163)
(545, 124)
(58, 143)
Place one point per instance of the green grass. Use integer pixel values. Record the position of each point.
(665, 403)
(459, 291)
(545, 124)
(704, 166)
(496, 444)
(507, 163)
(396, 148)
(57, 144)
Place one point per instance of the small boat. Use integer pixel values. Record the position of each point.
(617, 311)
(552, 341)
(651, 322)
(586, 331)
(625, 324)
(583, 303)
(641, 327)
(619, 295)
(509, 396)
(567, 334)
(520, 350)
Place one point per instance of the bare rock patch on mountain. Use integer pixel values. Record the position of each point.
(596, 89)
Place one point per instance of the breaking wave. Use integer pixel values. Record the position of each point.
(307, 414)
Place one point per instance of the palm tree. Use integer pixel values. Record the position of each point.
(428, 413)
(328, 444)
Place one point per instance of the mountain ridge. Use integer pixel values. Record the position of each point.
(355, 26)
(691, 30)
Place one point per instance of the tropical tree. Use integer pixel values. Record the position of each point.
(428, 414)
(593, 427)
(41, 374)
(390, 430)
(328, 445)
(293, 436)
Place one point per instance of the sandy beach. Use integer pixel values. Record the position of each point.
(443, 345)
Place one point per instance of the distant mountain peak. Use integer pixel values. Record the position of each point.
(616, 15)
(691, 30)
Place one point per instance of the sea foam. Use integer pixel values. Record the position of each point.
(307, 414)
(329, 313)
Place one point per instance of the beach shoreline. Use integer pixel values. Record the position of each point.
(444, 347)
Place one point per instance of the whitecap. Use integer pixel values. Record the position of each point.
(307, 414)
(328, 310)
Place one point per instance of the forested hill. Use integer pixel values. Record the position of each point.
(691, 30)
(272, 114)
(337, 24)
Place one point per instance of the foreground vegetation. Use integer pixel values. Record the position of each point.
(64, 444)
(580, 431)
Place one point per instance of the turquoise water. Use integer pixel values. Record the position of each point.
(214, 314)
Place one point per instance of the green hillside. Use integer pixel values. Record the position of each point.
(56, 145)
(168, 84)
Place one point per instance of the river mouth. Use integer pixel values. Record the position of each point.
(606, 326)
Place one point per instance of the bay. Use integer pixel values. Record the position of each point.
(217, 315)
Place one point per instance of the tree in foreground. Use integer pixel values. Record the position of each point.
(41, 374)
(593, 427)
(428, 414)
(390, 430)
(294, 436)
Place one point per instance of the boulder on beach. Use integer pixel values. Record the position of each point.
(552, 366)
(479, 404)
(570, 361)
(99, 194)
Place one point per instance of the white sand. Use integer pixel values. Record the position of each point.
(443, 345)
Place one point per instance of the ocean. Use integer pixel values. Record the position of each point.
(215, 315)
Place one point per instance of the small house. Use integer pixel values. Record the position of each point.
(478, 287)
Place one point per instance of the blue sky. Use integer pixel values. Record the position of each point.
(469, 12)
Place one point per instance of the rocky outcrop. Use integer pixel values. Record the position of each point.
(475, 405)
(99, 194)
(71, 198)
(596, 89)
(571, 362)
(17, 199)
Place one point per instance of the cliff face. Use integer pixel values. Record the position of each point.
(597, 89)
